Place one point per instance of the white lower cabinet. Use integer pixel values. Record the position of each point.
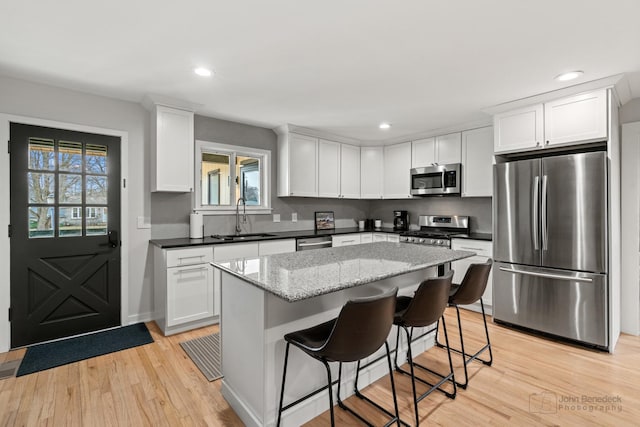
(273, 247)
(484, 251)
(345, 240)
(184, 288)
(366, 237)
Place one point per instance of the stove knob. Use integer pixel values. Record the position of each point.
(440, 242)
(421, 240)
(432, 242)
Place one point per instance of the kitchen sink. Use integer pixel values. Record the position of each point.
(241, 236)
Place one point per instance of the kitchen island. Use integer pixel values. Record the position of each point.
(264, 298)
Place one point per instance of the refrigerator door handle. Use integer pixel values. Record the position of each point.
(545, 236)
(547, 275)
(535, 211)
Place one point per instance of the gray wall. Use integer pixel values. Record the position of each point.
(630, 112)
(477, 208)
(170, 212)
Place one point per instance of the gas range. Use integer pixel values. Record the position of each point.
(437, 230)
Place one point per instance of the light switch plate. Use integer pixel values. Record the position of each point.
(294, 217)
(276, 217)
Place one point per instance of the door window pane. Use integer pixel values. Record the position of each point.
(41, 221)
(70, 221)
(97, 189)
(248, 171)
(70, 156)
(70, 188)
(96, 221)
(215, 179)
(41, 188)
(96, 159)
(42, 154)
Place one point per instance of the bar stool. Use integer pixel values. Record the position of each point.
(360, 329)
(425, 308)
(468, 292)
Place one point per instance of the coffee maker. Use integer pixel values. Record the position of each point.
(400, 220)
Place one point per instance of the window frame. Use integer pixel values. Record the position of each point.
(232, 151)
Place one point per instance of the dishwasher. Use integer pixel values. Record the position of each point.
(304, 244)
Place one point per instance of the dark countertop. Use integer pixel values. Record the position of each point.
(276, 235)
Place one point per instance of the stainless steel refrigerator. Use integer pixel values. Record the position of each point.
(550, 246)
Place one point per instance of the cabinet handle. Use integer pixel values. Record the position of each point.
(470, 249)
(190, 257)
(537, 143)
(547, 142)
(188, 270)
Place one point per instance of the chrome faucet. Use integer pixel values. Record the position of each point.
(244, 214)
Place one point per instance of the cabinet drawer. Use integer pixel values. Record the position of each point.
(480, 247)
(236, 250)
(191, 256)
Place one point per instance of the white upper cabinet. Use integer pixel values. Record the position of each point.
(172, 150)
(423, 152)
(297, 165)
(578, 118)
(448, 148)
(519, 130)
(349, 171)
(440, 150)
(477, 162)
(371, 172)
(575, 119)
(397, 168)
(329, 169)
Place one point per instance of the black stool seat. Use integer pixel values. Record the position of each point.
(424, 309)
(361, 328)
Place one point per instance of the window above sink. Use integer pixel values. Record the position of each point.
(225, 173)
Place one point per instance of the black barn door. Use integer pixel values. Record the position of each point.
(65, 224)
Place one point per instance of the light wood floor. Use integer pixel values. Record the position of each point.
(157, 384)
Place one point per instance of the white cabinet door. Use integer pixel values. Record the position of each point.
(579, 118)
(172, 150)
(519, 130)
(366, 237)
(423, 152)
(477, 162)
(484, 251)
(448, 149)
(379, 237)
(328, 169)
(349, 171)
(277, 247)
(228, 252)
(189, 294)
(371, 172)
(397, 169)
(303, 166)
(345, 240)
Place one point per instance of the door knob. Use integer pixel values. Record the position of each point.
(113, 239)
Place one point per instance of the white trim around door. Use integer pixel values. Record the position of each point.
(5, 245)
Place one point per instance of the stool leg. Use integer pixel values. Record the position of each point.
(453, 376)
(413, 376)
(393, 384)
(330, 387)
(395, 356)
(486, 331)
(464, 358)
(284, 375)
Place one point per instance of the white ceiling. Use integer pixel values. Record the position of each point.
(337, 66)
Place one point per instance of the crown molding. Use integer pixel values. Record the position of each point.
(617, 82)
(287, 128)
(149, 101)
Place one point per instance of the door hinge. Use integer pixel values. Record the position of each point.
(9, 230)
(10, 314)
(124, 182)
(9, 147)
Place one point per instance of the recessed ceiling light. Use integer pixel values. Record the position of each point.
(384, 126)
(204, 72)
(569, 76)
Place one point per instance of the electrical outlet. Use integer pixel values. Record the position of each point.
(294, 217)
(276, 217)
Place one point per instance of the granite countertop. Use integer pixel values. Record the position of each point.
(301, 275)
(209, 240)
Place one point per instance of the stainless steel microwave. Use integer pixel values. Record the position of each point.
(436, 180)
